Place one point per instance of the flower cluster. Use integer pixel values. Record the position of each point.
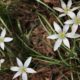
(62, 35)
(3, 39)
(22, 69)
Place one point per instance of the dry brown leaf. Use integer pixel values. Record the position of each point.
(54, 2)
(44, 74)
(40, 41)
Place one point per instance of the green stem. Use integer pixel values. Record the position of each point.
(72, 78)
(5, 25)
(49, 25)
(50, 10)
(62, 59)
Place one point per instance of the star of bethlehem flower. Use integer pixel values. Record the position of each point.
(4, 39)
(66, 8)
(1, 61)
(75, 20)
(62, 36)
(22, 69)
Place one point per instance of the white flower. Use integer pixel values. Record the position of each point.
(75, 21)
(38, 0)
(65, 10)
(4, 39)
(1, 61)
(62, 36)
(23, 69)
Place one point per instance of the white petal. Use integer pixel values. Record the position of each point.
(27, 62)
(8, 39)
(2, 45)
(2, 61)
(16, 75)
(15, 68)
(30, 70)
(24, 76)
(72, 35)
(62, 15)
(57, 27)
(69, 22)
(76, 35)
(75, 8)
(65, 28)
(55, 36)
(58, 9)
(63, 4)
(19, 62)
(3, 33)
(78, 14)
(71, 14)
(57, 44)
(74, 28)
(69, 35)
(66, 42)
(69, 4)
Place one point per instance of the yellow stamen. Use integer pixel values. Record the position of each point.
(1, 39)
(62, 35)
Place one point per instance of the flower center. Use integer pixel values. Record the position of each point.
(1, 39)
(23, 69)
(62, 35)
(66, 10)
(77, 20)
